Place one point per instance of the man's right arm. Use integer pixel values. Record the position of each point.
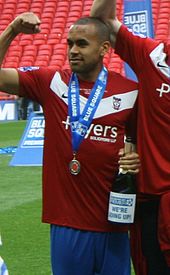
(27, 23)
(104, 9)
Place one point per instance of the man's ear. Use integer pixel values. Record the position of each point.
(105, 48)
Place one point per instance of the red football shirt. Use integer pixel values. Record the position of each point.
(79, 201)
(148, 60)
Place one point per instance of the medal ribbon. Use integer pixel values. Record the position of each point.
(81, 122)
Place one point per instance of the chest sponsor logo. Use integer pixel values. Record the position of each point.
(97, 132)
(164, 89)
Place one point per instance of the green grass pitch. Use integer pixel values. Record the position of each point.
(25, 239)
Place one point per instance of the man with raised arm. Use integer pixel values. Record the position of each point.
(150, 60)
(86, 109)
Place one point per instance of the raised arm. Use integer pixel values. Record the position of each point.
(106, 10)
(27, 23)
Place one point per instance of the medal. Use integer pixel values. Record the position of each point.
(74, 166)
(80, 119)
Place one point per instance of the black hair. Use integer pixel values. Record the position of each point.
(101, 27)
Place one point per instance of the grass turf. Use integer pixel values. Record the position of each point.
(25, 239)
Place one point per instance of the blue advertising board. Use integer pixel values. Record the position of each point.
(138, 18)
(8, 110)
(30, 148)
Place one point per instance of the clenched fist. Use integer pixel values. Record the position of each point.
(27, 23)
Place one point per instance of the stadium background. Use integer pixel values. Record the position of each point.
(48, 48)
(25, 240)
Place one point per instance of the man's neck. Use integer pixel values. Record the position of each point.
(89, 76)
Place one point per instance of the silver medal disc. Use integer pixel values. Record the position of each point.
(74, 167)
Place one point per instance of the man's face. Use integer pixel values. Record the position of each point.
(84, 48)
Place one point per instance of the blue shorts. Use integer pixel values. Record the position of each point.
(78, 252)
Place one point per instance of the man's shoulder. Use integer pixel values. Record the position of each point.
(128, 35)
(119, 84)
(62, 75)
(118, 77)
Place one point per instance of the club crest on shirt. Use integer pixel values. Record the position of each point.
(116, 103)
